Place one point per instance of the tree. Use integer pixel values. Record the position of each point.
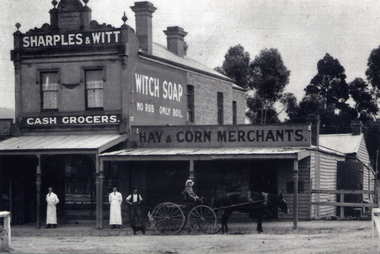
(365, 103)
(269, 76)
(255, 113)
(327, 96)
(236, 65)
(330, 82)
(291, 107)
(373, 71)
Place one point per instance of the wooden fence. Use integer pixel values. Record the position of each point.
(343, 204)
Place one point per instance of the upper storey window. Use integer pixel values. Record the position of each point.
(190, 103)
(49, 82)
(94, 89)
(220, 108)
(234, 112)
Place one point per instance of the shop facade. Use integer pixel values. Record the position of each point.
(277, 159)
(79, 86)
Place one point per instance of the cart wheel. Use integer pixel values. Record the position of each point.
(146, 217)
(203, 218)
(168, 218)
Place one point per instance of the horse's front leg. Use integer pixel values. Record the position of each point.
(259, 225)
(225, 217)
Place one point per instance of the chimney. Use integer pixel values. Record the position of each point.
(314, 121)
(356, 127)
(143, 13)
(176, 44)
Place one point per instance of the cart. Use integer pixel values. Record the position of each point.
(169, 218)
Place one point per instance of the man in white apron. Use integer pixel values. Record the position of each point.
(115, 199)
(51, 211)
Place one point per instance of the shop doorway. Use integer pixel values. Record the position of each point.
(18, 187)
(263, 176)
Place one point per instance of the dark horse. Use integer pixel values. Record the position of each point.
(257, 204)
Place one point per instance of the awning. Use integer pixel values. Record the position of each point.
(60, 144)
(205, 153)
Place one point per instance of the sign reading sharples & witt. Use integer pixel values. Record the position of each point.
(297, 135)
(71, 39)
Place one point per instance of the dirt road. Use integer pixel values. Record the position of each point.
(357, 241)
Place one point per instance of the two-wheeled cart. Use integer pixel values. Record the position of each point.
(169, 218)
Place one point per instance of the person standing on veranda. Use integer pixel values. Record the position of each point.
(51, 210)
(135, 200)
(115, 199)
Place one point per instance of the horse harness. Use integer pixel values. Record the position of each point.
(265, 198)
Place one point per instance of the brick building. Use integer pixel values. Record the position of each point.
(79, 86)
(99, 106)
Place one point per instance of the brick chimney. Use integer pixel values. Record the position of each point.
(356, 127)
(314, 122)
(144, 13)
(175, 38)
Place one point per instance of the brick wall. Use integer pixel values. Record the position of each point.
(205, 100)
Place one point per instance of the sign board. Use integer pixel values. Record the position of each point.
(159, 96)
(71, 120)
(222, 136)
(71, 39)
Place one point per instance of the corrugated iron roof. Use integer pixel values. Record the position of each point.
(344, 143)
(205, 151)
(162, 52)
(61, 142)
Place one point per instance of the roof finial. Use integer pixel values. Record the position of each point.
(54, 3)
(124, 18)
(85, 2)
(18, 25)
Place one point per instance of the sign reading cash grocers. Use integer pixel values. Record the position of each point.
(297, 135)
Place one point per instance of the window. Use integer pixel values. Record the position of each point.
(220, 108)
(190, 103)
(234, 112)
(49, 90)
(94, 89)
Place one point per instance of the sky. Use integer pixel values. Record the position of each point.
(303, 31)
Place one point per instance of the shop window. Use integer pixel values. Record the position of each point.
(234, 112)
(94, 89)
(190, 103)
(290, 187)
(49, 90)
(220, 108)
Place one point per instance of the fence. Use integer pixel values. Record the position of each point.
(5, 237)
(343, 204)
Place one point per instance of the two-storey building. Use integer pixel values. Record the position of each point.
(79, 86)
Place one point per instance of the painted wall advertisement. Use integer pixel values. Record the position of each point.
(297, 135)
(159, 97)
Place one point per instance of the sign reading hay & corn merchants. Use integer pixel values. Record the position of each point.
(222, 136)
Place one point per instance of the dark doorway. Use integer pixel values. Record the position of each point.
(263, 176)
(18, 188)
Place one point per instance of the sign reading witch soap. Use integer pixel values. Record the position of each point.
(71, 39)
(159, 95)
(222, 136)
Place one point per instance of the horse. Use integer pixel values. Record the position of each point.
(257, 204)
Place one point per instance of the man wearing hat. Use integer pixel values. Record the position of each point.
(135, 200)
(190, 192)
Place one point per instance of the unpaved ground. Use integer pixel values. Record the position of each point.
(358, 241)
